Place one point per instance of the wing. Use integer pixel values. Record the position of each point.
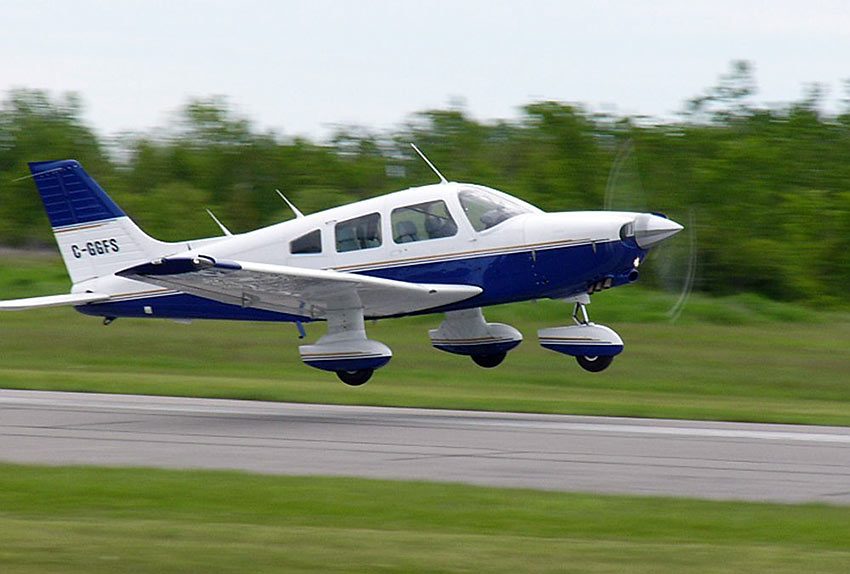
(295, 290)
(51, 301)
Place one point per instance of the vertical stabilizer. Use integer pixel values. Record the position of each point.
(95, 236)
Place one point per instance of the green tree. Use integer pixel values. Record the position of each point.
(34, 126)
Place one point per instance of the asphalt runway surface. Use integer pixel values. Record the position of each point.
(712, 460)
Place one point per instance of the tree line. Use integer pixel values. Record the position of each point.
(766, 189)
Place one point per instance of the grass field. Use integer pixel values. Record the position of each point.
(741, 358)
(107, 520)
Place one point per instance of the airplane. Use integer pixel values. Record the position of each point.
(451, 248)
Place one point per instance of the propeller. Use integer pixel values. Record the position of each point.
(672, 263)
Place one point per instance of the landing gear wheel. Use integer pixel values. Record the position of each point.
(355, 378)
(489, 361)
(594, 364)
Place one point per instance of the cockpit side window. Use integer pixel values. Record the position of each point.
(485, 210)
(422, 221)
(307, 243)
(358, 233)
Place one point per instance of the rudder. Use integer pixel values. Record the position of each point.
(70, 195)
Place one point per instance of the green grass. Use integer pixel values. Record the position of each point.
(742, 358)
(106, 520)
(31, 273)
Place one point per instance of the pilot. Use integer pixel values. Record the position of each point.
(437, 226)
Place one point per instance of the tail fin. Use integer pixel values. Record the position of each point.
(95, 236)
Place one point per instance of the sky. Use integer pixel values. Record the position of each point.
(307, 67)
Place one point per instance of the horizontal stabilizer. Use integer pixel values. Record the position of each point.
(295, 290)
(51, 301)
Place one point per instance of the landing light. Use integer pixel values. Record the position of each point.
(636, 262)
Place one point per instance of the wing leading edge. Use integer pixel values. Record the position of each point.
(295, 290)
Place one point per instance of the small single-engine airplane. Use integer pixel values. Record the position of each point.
(448, 248)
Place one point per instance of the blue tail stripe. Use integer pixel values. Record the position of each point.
(70, 195)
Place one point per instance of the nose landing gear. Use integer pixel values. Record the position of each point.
(594, 346)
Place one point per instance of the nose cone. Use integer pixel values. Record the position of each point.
(653, 229)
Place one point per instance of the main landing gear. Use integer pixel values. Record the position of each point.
(467, 333)
(593, 346)
(345, 349)
(489, 361)
(355, 378)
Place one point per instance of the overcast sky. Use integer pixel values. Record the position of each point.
(303, 67)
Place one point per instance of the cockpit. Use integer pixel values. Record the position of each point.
(485, 209)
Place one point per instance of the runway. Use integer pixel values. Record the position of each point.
(733, 461)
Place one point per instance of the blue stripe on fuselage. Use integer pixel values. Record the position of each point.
(505, 278)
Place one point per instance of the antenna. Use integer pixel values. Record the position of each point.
(431, 165)
(33, 175)
(224, 230)
(294, 209)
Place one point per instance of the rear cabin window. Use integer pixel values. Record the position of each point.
(359, 233)
(429, 220)
(309, 243)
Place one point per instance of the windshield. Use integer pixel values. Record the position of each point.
(486, 209)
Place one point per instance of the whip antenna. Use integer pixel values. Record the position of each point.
(431, 165)
(294, 209)
(221, 226)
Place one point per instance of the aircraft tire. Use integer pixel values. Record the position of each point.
(489, 361)
(355, 378)
(594, 364)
